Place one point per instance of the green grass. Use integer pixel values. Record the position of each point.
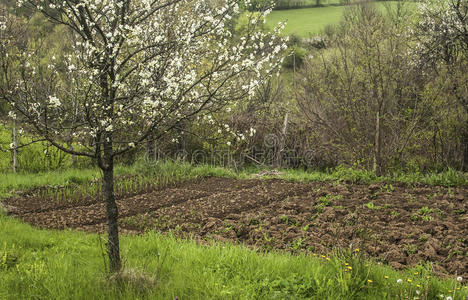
(447, 178)
(306, 22)
(35, 157)
(23, 181)
(179, 171)
(40, 264)
(158, 170)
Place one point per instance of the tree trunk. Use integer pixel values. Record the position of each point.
(150, 147)
(376, 162)
(111, 210)
(14, 151)
(465, 151)
(282, 141)
(73, 157)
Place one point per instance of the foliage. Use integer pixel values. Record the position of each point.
(36, 157)
(295, 57)
(442, 51)
(367, 102)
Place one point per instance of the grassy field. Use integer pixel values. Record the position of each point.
(50, 264)
(306, 22)
(39, 264)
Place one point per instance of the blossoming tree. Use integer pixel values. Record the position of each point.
(137, 67)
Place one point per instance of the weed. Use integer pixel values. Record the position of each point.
(297, 243)
(425, 213)
(387, 188)
(370, 205)
(410, 249)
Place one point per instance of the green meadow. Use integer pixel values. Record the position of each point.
(51, 264)
(306, 22)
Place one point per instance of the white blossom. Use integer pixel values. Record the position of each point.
(54, 101)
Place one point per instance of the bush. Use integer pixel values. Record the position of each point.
(36, 157)
(295, 57)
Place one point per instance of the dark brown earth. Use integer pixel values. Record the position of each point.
(400, 225)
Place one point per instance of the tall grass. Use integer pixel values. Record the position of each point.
(170, 172)
(24, 181)
(35, 157)
(447, 178)
(40, 264)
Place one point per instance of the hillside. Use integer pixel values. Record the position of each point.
(310, 21)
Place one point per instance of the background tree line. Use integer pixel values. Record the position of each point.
(383, 90)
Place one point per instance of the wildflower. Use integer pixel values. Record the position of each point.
(399, 281)
(448, 298)
(356, 250)
(228, 143)
(418, 292)
(409, 280)
(459, 278)
(386, 277)
(369, 280)
(350, 268)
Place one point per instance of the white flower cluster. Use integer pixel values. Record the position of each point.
(54, 101)
(148, 63)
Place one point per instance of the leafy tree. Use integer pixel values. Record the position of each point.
(136, 67)
(443, 46)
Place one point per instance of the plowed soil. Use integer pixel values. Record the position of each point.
(396, 224)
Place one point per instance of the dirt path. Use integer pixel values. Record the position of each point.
(398, 225)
